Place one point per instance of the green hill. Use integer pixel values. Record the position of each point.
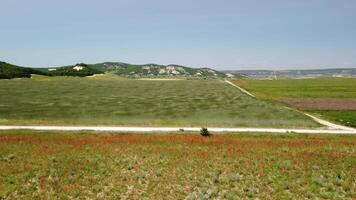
(80, 70)
(117, 68)
(8, 71)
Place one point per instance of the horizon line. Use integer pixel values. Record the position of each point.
(211, 67)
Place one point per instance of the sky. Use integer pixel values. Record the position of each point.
(222, 34)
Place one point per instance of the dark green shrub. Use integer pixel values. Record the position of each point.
(204, 132)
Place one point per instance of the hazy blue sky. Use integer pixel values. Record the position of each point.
(223, 34)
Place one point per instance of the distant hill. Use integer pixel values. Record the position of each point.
(336, 72)
(8, 71)
(152, 70)
(117, 68)
(80, 70)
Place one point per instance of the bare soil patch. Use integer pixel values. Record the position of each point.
(321, 103)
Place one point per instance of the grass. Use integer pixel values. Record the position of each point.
(106, 100)
(40, 165)
(319, 88)
(343, 117)
(301, 88)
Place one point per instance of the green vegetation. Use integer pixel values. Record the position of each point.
(325, 91)
(347, 117)
(8, 71)
(80, 70)
(204, 132)
(39, 165)
(301, 88)
(106, 100)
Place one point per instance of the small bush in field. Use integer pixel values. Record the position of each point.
(204, 132)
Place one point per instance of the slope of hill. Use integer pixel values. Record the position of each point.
(8, 71)
(150, 70)
(80, 70)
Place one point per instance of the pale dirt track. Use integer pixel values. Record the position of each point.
(240, 88)
(175, 129)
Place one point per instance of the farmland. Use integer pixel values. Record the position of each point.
(40, 165)
(111, 100)
(331, 98)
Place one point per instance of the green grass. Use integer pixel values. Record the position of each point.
(106, 100)
(341, 117)
(301, 88)
(40, 165)
(318, 88)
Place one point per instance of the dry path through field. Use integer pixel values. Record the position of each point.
(175, 129)
(328, 124)
(240, 88)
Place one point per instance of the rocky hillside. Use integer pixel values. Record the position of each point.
(151, 70)
(117, 68)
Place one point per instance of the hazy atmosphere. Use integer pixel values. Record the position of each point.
(230, 34)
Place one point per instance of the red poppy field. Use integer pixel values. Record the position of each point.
(38, 165)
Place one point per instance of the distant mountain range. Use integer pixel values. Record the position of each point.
(117, 68)
(311, 73)
(152, 70)
(8, 71)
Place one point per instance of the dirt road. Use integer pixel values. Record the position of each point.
(175, 129)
